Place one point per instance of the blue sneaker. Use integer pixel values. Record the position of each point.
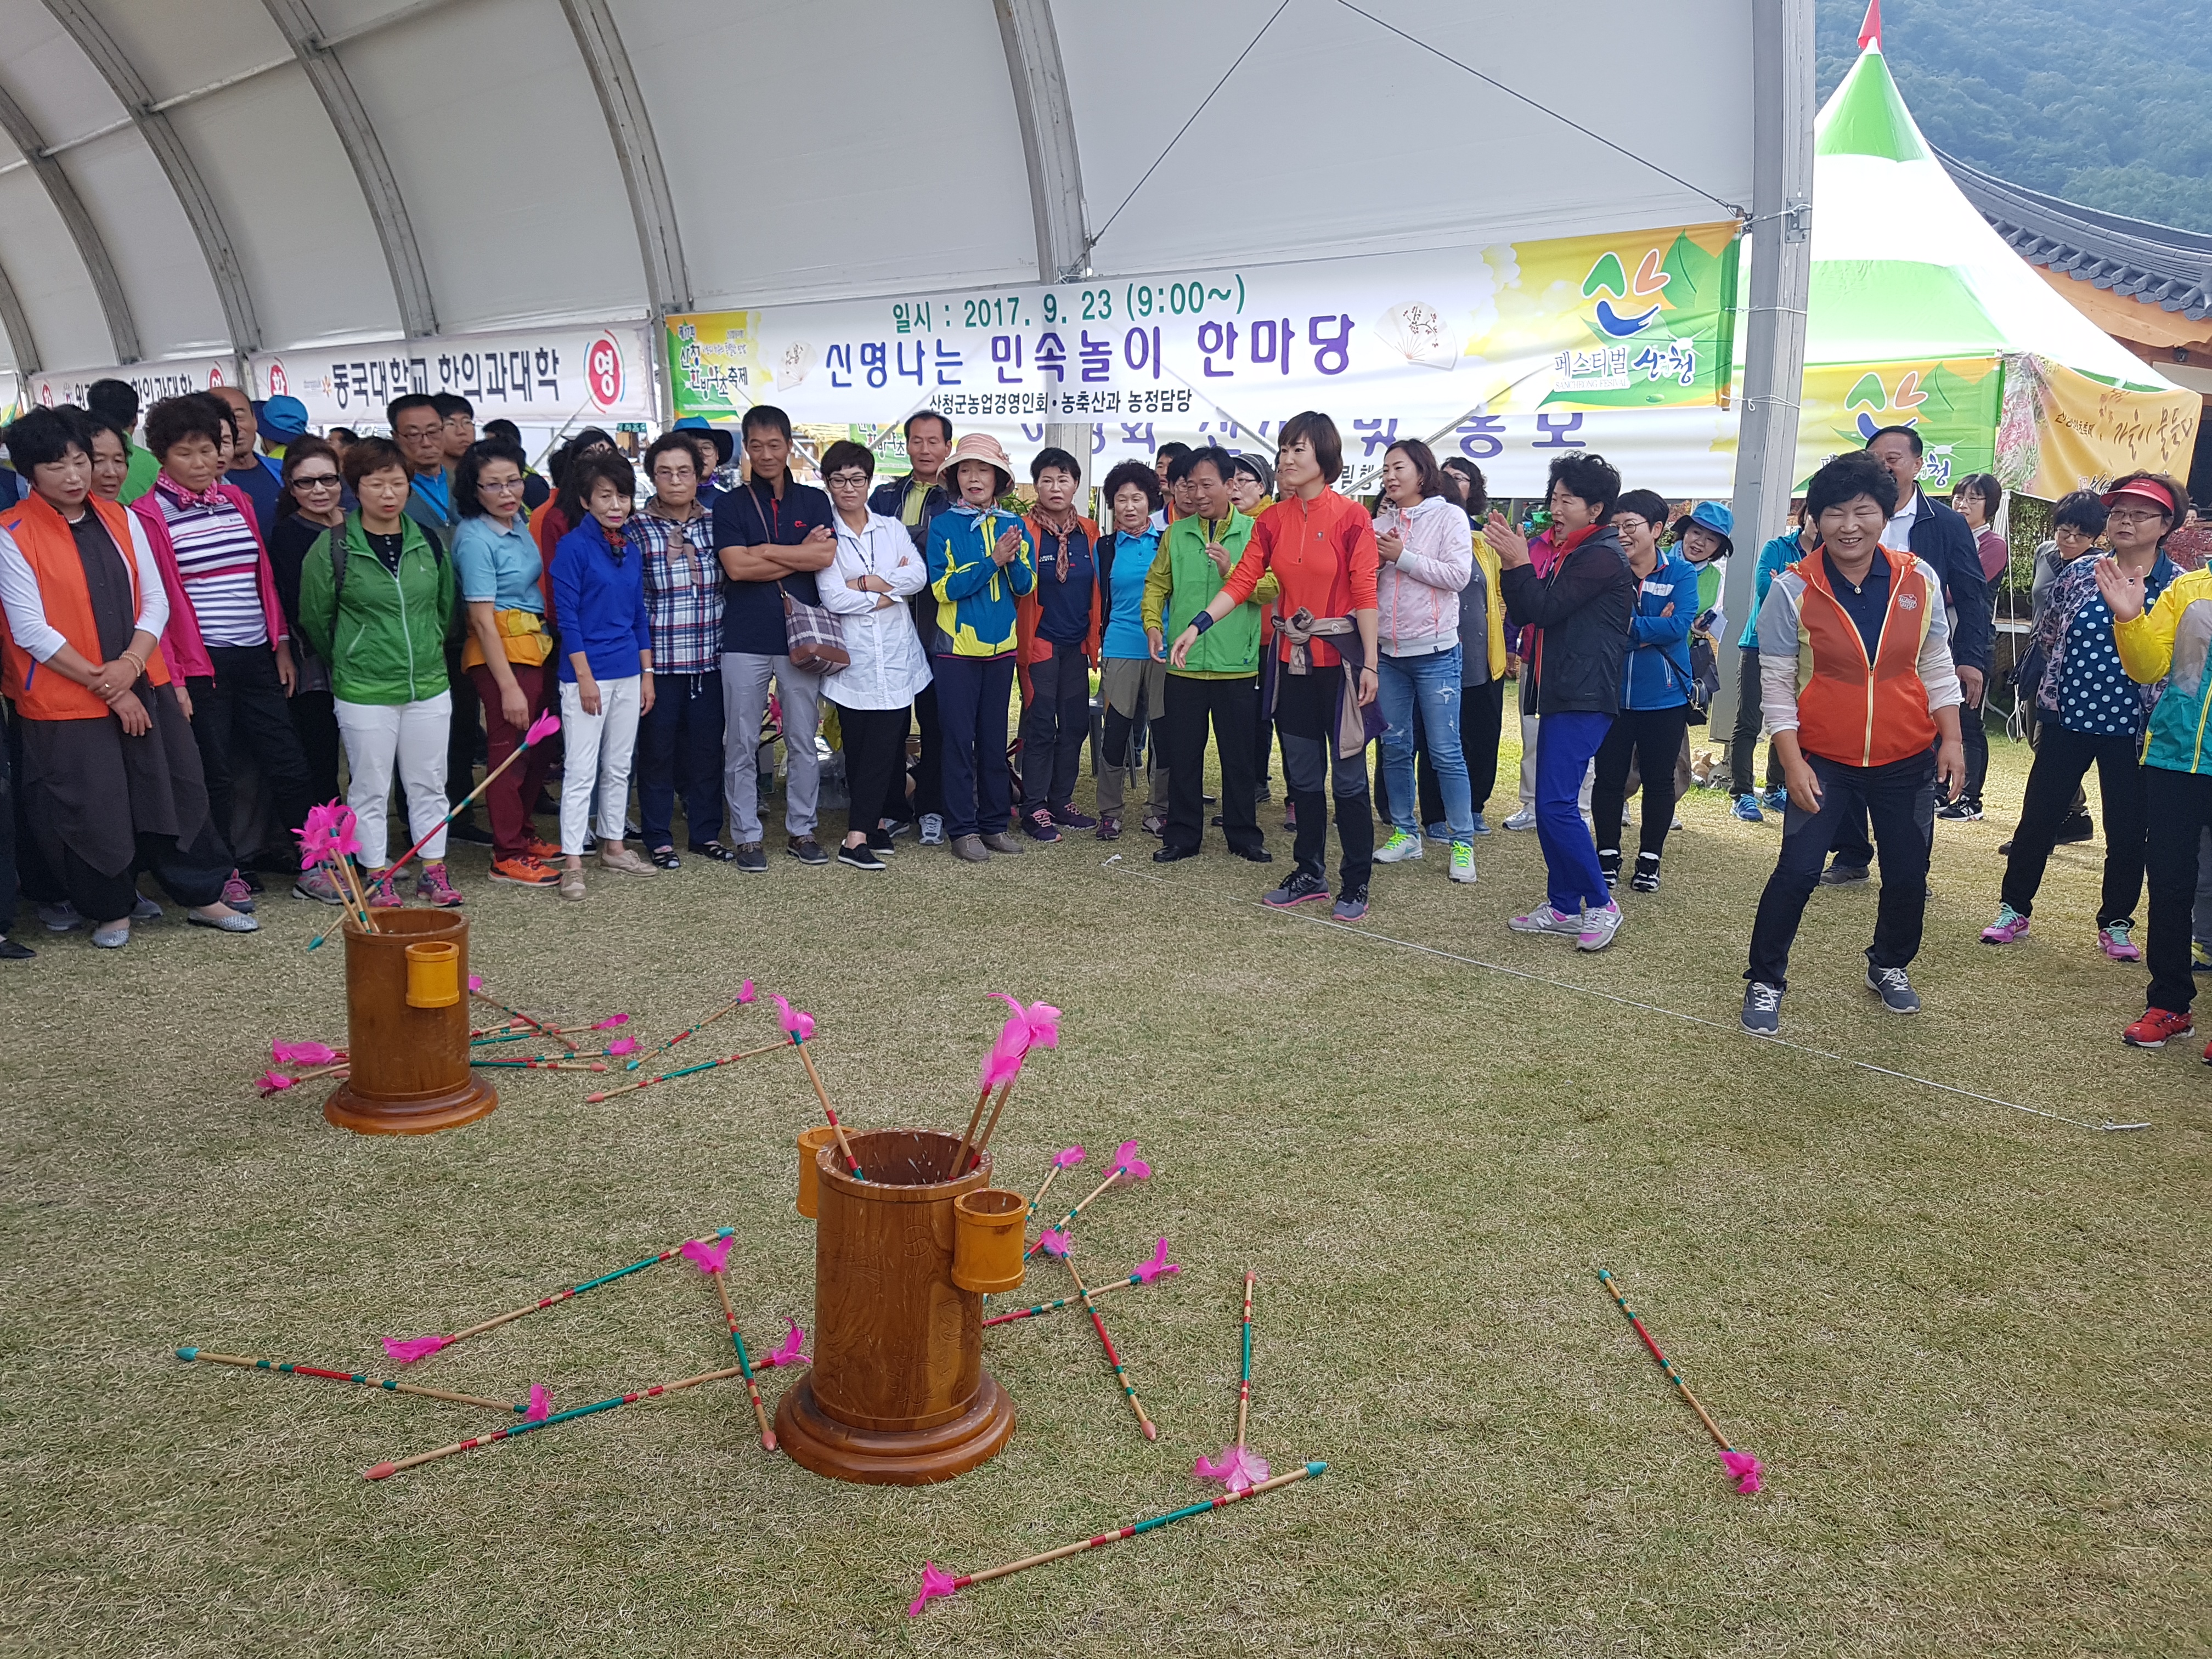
(1776, 799)
(1481, 825)
(1438, 832)
(1747, 808)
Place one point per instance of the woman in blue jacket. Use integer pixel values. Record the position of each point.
(1655, 692)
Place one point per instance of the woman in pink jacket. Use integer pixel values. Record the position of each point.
(228, 635)
(1427, 551)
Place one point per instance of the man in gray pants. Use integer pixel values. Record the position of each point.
(771, 533)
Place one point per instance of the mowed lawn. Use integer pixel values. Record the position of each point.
(1967, 1341)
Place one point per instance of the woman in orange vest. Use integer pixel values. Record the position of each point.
(112, 778)
(1861, 628)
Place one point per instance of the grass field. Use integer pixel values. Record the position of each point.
(1967, 1340)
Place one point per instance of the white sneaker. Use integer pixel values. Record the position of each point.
(1463, 862)
(1545, 919)
(1598, 926)
(1523, 819)
(932, 830)
(1400, 848)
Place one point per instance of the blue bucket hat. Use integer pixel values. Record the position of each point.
(1714, 517)
(725, 445)
(282, 418)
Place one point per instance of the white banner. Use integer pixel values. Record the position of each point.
(1509, 354)
(534, 377)
(152, 382)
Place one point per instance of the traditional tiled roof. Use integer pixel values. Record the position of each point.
(2155, 265)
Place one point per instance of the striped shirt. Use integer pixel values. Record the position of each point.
(219, 563)
(682, 590)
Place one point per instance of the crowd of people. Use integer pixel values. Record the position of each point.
(211, 621)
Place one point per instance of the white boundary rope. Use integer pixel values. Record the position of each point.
(1116, 864)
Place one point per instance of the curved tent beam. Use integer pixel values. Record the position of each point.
(21, 340)
(123, 79)
(1039, 79)
(114, 304)
(630, 127)
(380, 188)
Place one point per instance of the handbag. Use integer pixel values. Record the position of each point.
(816, 638)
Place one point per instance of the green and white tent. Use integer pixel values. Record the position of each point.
(1921, 314)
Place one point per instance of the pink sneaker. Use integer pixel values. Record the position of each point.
(236, 894)
(433, 886)
(2114, 940)
(2009, 926)
(383, 892)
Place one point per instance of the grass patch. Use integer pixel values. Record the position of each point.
(1965, 1340)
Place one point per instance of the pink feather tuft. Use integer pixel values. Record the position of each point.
(1044, 1025)
(1052, 1241)
(269, 1082)
(1128, 1166)
(302, 1054)
(1159, 1264)
(1744, 1469)
(707, 1258)
(796, 1020)
(414, 1348)
(343, 841)
(791, 1352)
(541, 1404)
(1238, 1468)
(476, 983)
(610, 1022)
(622, 1046)
(314, 835)
(541, 729)
(1004, 1063)
(1068, 1160)
(933, 1583)
(746, 994)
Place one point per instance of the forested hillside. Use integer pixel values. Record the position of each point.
(2108, 103)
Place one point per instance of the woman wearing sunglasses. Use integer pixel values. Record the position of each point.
(312, 500)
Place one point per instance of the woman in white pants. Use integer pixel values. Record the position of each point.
(606, 672)
(375, 595)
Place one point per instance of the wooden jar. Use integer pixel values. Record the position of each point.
(409, 1066)
(897, 1394)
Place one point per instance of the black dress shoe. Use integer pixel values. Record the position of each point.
(11, 951)
(1170, 854)
(1254, 855)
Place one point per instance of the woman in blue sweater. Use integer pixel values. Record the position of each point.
(1654, 687)
(606, 665)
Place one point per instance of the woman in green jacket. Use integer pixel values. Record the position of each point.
(376, 599)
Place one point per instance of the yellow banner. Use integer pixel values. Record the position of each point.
(1952, 403)
(2061, 431)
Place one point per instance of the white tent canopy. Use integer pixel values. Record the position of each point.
(229, 176)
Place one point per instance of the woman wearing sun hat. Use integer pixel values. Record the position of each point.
(981, 559)
(2163, 645)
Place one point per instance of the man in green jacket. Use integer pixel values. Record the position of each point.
(376, 607)
(1220, 680)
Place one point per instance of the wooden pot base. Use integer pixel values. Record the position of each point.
(364, 1116)
(901, 1457)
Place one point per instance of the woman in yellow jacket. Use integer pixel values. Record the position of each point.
(1482, 666)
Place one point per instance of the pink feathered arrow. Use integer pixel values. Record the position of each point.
(1744, 1468)
(1052, 1241)
(541, 1402)
(1159, 1264)
(414, 1347)
(302, 1054)
(933, 1583)
(1034, 1026)
(1239, 1468)
(707, 1258)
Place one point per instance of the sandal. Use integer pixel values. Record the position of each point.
(715, 850)
(664, 858)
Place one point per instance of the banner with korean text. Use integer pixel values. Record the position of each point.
(152, 382)
(1508, 355)
(553, 378)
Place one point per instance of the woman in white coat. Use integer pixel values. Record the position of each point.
(876, 571)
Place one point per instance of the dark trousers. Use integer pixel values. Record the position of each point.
(971, 705)
(2178, 806)
(875, 761)
(1854, 851)
(1263, 719)
(1653, 738)
(1055, 727)
(1745, 737)
(1897, 798)
(464, 739)
(1231, 706)
(39, 882)
(10, 890)
(1974, 738)
(243, 708)
(2063, 759)
(1305, 720)
(191, 872)
(315, 723)
(928, 795)
(679, 751)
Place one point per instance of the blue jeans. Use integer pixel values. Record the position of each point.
(1564, 744)
(1433, 682)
